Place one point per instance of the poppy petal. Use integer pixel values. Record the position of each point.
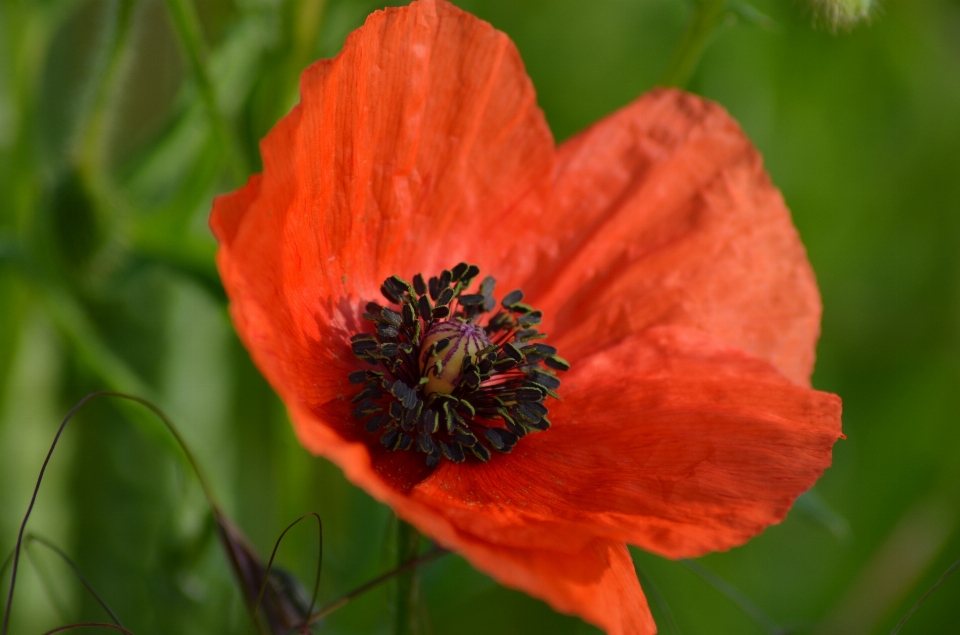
(420, 133)
(663, 214)
(593, 578)
(597, 583)
(229, 210)
(669, 441)
(423, 132)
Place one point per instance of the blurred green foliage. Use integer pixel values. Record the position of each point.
(121, 119)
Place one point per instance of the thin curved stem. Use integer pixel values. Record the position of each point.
(431, 555)
(70, 627)
(76, 570)
(273, 554)
(943, 578)
(46, 584)
(706, 17)
(191, 459)
(33, 499)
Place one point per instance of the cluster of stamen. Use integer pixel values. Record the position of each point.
(453, 377)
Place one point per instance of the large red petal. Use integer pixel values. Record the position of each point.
(662, 214)
(589, 577)
(669, 441)
(422, 134)
(597, 582)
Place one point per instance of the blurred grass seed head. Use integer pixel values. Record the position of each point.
(842, 14)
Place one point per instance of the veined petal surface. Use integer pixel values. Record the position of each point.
(663, 214)
(670, 441)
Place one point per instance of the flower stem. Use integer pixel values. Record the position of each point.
(429, 556)
(408, 540)
(707, 15)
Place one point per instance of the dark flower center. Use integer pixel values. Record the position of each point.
(453, 377)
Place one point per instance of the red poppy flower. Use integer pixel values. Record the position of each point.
(664, 262)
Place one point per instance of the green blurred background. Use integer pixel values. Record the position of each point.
(120, 120)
